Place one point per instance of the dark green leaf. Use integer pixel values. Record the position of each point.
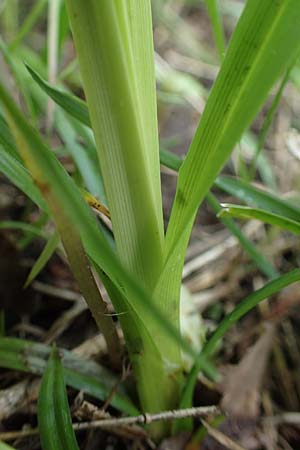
(54, 418)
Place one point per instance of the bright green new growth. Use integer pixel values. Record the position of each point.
(117, 68)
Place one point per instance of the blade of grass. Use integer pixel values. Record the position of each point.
(112, 89)
(18, 225)
(64, 199)
(253, 196)
(119, 84)
(41, 222)
(10, 19)
(267, 122)
(42, 260)
(246, 212)
(20, 81)
(30, 146)
(28, 23)
(78, 109)
(54, 418)
(73, 105)
(140, 21)
(239, 91)
(262, 263)
(273, 287)
(216, 22)
(83, 158)
(18, 175)
(6, 139)
(81, 374)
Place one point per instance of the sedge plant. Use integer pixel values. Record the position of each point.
(141, 270)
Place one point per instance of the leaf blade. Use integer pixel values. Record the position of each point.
(240, 89)
(246, 212)
(54, 418)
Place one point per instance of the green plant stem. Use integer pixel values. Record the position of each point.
(106, 58)
(70, 239)
(82, 271)
(115, 53)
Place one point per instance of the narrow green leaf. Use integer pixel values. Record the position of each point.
(39, 160)
(20, 176)
(140, 20)
(170, 160)
(42, 260)
(174, 162)
(238, 188)
(116, 97)
(17, 225)
(253, 196)
(84, 158)
(265, 41)
(54, 418)
(273, 287)
(19, 79)
(6, 139)
(82, 374)
(246, 212)
(28, 23)
(73, 105)
(216, 22)
(267, 122)
(258, 257)
(64, 199)
(261, 47)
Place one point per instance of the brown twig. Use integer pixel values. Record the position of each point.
(123, 421)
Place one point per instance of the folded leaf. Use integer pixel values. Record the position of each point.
(54, 418)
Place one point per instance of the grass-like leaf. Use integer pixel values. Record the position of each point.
(264, 43)
(253, 196)
(214, 13)
(44, 257)
(22, 226)
(79, 373)
(20, 176)
(28, 23)
(267, 122)
(6, 139)
(273, 287)
(68, 207)
(54, 418)
(73, 105)
(257, 256)
(246, 212)
(118, 102)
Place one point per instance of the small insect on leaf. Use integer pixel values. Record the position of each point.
(54, 419)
